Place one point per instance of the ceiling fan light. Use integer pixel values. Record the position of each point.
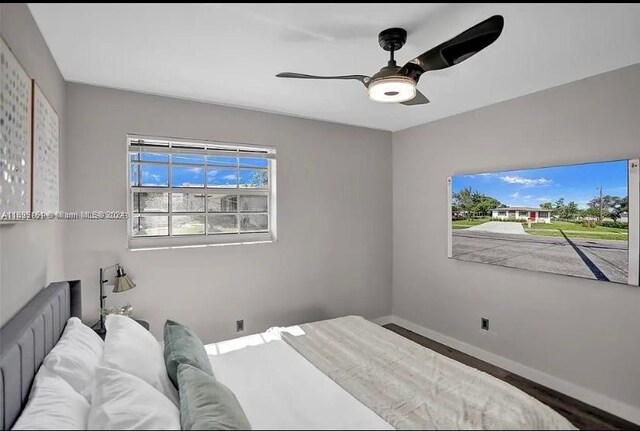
(392, 89)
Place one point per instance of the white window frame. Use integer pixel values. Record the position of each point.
(194, 146)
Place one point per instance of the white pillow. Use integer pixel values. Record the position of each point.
(124, 402)
(132, 349)
(76, 356)
(53, 404)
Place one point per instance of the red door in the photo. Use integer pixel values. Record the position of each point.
(532, 216)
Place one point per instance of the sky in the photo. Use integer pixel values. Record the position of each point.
(531, 187)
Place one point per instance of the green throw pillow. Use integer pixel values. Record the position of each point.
(206, 404)
(182, 346)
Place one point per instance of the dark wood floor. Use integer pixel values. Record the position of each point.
(581, 415)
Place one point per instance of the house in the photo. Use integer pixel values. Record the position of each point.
(536, 215)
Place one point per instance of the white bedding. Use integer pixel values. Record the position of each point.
(280, 389)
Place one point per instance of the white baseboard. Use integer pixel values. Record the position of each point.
(588, 396)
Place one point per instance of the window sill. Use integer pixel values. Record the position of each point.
(142, 244)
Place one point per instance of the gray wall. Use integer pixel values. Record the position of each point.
(580, 331)
(31, 252)
(333, 255)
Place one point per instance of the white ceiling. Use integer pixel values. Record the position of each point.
(230, 53)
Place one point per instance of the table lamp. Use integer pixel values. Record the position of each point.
(122, 283)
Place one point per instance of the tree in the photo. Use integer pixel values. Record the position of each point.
(484, 204)
(570, 211)
(619, 206)
(463, 201)
(591, 213)
(562, 210)
(558, 208)
(609, 206)
(473, 203)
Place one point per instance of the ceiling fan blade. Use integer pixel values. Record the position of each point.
(362, 78)
(456, 50)
(420, 99)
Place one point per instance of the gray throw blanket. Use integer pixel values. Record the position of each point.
(412, 387)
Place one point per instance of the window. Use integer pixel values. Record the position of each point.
(184, 193)
(502, 213)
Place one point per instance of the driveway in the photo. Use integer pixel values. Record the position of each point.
(509, 227)
(590, 258)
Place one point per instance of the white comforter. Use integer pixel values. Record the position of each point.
(280, 389)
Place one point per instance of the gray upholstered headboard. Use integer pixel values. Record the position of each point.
(27, 338)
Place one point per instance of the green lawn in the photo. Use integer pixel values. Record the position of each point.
(579, 234)
(556, 229)
(567, 225)
(576, 230)
(463, 224)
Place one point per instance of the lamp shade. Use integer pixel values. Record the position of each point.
(122, 282)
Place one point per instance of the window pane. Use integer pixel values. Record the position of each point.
(253, 178)
(222, 161)
(187, 225)
(222, 202)
(253, 162)
(184, 176)
(222, 223)
(154, 175)
(187, 202)
(253, 203)
(134, 156)
(254, 222)
(150, 226)
(134, 169)
(151, 202)
(188, 158)
(222, 178)
(154, 157)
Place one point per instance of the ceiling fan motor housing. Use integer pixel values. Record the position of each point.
(392, 39)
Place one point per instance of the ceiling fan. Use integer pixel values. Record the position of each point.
(398, 84)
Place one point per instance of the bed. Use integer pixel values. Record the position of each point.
(344, 373)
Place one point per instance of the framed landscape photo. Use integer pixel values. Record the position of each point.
(580, 220)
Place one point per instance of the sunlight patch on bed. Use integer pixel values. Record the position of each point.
(271, 334)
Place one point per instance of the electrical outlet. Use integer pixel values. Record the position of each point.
(484, 324)
(239, 325)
